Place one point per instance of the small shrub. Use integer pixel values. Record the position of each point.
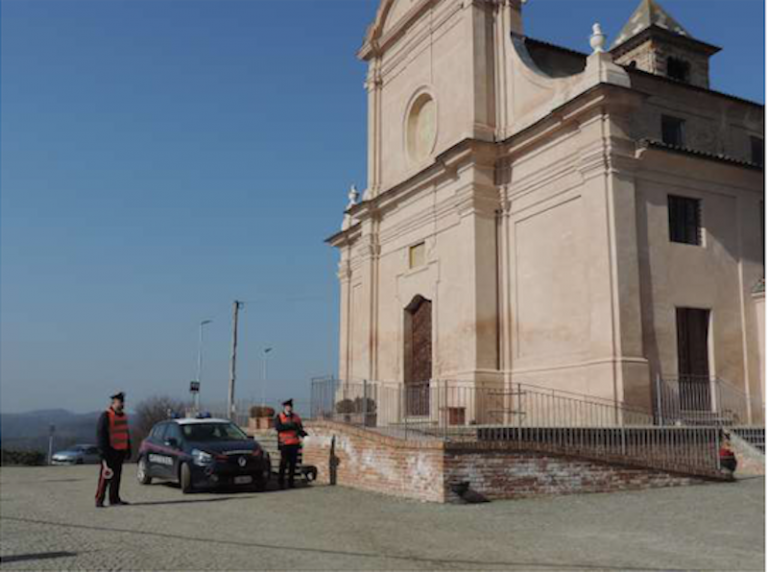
(360, 405)
(27, 458)
(345, 407)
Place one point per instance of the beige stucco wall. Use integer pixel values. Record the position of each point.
(714, 124)
(758, 301)
(548, 258)
(442, 54)
(718, 275)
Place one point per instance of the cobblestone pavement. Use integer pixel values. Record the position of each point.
(47, 521)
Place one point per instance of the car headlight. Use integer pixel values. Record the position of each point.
(201, 458)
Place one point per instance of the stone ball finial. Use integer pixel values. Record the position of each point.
(597, 40)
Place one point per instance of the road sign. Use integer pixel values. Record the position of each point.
(194, 386)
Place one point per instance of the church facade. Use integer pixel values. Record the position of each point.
(589, 222)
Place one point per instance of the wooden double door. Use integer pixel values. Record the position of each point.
(693, 359)
(418, 356)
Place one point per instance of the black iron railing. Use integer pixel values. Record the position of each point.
(520, 414)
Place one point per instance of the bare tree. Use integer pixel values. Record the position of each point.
(150, 412)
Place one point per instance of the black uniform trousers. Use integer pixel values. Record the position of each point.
(114, 462)
(729, 463)
(288, 457)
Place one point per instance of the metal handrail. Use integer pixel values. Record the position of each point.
(521, 414)
(696, 400)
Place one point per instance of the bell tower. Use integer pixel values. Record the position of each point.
(654, 42)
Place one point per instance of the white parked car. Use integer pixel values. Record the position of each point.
(77, 455)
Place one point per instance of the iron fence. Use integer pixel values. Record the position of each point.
(703, 400)
(243, 407)
(521, 415)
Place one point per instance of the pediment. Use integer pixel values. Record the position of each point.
(392, 14)
(397, 11)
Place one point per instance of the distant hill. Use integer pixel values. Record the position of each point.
(29, 431)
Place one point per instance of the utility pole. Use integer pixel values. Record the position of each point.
(51, 431)
(200, 364)
(233, 361)
(264, 375)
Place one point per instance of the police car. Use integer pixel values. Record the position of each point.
(202, 453)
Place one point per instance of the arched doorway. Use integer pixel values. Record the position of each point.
(418, 355)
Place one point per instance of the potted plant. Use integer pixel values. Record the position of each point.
(365, 410)
(261, 417)
(346, 407)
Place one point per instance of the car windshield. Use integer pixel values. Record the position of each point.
(213, 432)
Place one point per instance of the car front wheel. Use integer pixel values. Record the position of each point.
(260, 482)
(142, 472)
(185, 478)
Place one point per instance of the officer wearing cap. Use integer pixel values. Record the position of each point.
(114, 442)
(289, 434)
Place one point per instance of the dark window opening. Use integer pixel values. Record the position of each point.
(679, 70)
(684, 220)
(672, 131)
(758, 151)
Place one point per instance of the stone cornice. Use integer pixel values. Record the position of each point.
(345, 237)
(477, 200)
(445, 166)
(655, 32)
(599, 100)
(603, 98)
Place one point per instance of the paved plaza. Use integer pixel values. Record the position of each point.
(48, 521)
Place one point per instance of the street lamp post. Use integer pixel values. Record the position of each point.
(264, 375)
(200, 362)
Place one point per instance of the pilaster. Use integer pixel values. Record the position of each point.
(477, 206)
(607, 169)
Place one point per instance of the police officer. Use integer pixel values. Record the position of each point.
(289, 434)
(114, 442)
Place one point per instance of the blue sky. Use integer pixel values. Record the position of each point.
(161, 158)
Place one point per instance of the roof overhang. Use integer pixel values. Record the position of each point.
(657, 32)
(664, 147)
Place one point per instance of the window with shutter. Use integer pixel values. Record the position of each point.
(684, 220)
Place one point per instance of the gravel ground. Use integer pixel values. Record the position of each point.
(48, 521)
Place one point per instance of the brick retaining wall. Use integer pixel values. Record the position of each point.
(368, 461)
(518, 474)
(427, 470)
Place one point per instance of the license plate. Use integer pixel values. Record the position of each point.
(243, 480)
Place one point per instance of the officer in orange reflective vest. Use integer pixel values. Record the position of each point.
(289, 434)
(114, 442)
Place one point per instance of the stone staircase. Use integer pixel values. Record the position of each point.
(748, 443)
(267, 438)
(755, 436)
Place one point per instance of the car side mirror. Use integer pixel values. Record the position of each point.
(172, 442)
